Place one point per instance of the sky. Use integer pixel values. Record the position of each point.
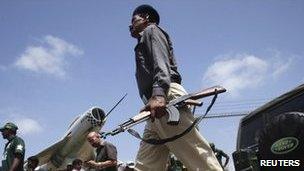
(59, 58)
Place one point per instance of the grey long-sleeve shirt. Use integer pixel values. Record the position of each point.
(155, 63)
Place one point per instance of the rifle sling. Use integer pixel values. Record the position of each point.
(170, 139)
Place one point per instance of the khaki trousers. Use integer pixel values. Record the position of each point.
(191, 149)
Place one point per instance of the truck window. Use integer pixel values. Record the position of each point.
(249, 131)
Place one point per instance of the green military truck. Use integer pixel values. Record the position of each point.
(272, 136)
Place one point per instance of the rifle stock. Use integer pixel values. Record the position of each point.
(141, 115)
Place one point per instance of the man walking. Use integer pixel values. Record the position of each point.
(159, 82)
(106, 154)
(219, 154)
(13, 156)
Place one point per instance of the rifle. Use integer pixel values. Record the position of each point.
(171, 108)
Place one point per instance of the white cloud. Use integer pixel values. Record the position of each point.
(49, 57)
(238, 72)
(28, 126)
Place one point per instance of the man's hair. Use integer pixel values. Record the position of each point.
(33, 159)
(69, 167)
(76, 162)
(212, 146)
(147, 10)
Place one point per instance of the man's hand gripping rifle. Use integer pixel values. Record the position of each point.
(172, 109)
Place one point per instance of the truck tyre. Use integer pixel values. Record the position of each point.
(283, 138)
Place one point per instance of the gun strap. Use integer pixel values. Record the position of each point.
(165, 140)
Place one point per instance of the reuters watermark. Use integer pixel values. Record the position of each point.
(280, 163)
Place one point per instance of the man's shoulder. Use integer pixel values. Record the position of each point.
(110, 146)
(18, 140)
(153, 29)
(107, 143)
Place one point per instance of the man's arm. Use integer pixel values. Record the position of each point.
(226, 157)
(18, 153)
(108, 163)
(158, 50)
(101, 165)
(16, 162)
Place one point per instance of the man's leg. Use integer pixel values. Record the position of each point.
(151, 157)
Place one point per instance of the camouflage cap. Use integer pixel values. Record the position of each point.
(10, 126)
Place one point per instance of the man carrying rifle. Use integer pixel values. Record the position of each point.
(159, 82)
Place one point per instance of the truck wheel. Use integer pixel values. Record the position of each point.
(283, 138)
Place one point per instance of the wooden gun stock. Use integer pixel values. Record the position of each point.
(141, 115)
